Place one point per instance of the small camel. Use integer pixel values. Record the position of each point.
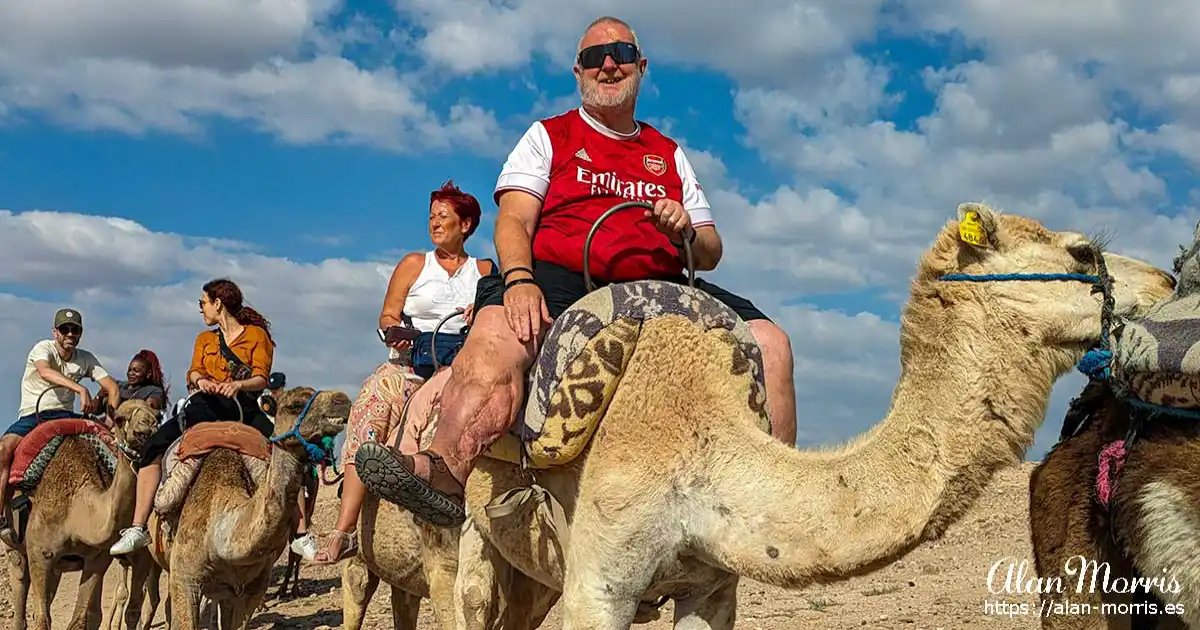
(232, 520)
(680, 492)
(77, 508)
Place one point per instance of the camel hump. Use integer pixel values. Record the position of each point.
(585, 354)
(35, 450)
(205, 437)
(1156, 356)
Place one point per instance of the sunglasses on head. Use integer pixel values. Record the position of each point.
(621, 52)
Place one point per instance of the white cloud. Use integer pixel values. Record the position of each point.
(173, 66)
(761, 40)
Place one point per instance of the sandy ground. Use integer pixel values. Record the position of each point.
(942, 584)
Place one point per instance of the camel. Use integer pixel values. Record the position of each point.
(223, 517)
(679, 491)
(1117, 468)
(77, 507)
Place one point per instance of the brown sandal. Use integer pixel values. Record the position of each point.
(334, 541)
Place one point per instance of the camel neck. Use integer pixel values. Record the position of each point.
(959, 413)
(268, 510)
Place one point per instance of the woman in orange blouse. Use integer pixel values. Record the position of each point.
(223, 382)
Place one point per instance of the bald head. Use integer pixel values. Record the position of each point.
(606, 29)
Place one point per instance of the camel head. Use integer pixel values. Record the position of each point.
(134, 422)
(325, 417)
(1061, 314)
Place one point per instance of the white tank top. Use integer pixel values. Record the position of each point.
(435, 294)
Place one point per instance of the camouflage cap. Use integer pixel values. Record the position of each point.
(68, 316)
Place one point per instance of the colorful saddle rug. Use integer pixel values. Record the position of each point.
(35, 451)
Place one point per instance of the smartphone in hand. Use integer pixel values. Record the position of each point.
(396, 334)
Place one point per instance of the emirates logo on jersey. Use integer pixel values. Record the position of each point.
(655, 164)
(609, 184)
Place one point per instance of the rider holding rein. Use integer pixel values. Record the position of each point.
(230, 366)
(567, 171)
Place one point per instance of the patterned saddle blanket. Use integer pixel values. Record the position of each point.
(182, 461)
(35, 450)
(1156, 357)
(585, 354)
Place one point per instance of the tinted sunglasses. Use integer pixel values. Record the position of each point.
(68, 329)
(621, 52)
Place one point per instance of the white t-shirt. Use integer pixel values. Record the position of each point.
(81, 364)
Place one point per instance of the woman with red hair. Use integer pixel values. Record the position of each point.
(424, 288)
(143, 381)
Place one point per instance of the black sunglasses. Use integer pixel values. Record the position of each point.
(621, 52)
(68, 329)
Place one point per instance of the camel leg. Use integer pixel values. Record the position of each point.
(120, 599)
(87, 599)
(481, 570)
(715, 611)
(184, 604)
(358, 586)
(609, 570)
(526, 601)
(153, 597)
(1064, 538)
(140, 570)
(43, 585)
(439, 561)
(18, 580)
(405, 608)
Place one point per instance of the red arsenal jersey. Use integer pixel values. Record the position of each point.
(579, 169)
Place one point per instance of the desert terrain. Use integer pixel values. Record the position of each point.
(942, 584)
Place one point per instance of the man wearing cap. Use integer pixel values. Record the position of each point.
(58, 361)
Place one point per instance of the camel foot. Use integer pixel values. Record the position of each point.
(389, 476)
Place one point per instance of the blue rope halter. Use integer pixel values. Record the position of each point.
(316, 453)
(1097, 362)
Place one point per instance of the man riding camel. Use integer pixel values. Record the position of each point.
(59, 363)
(564, 173)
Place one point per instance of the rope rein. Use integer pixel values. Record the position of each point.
(316, 453)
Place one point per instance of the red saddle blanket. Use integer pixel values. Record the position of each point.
(202, 438)
(32, 444)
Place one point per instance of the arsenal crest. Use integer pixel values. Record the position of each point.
(655, 164)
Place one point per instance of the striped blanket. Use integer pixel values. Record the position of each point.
(1157, 356)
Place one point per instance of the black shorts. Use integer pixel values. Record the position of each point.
(562, 287)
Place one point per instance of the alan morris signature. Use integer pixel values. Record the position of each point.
(1013, 577)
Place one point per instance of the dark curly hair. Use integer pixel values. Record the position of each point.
(230, 295)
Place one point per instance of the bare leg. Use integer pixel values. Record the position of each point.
(485, 390)
(778, 374)
(147, 485)
(8, 444)
(481, 399)
(136, 537)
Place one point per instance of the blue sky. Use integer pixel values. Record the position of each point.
(293, 146)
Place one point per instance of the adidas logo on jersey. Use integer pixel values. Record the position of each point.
(582, 154)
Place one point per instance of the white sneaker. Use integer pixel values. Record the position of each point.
(132, 539)
(306, 546)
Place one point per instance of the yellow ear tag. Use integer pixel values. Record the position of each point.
(971, 230)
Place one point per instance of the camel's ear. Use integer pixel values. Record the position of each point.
(976, 226)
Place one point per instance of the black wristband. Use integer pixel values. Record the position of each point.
(519, 281)
(515, 269)
(691, 240)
